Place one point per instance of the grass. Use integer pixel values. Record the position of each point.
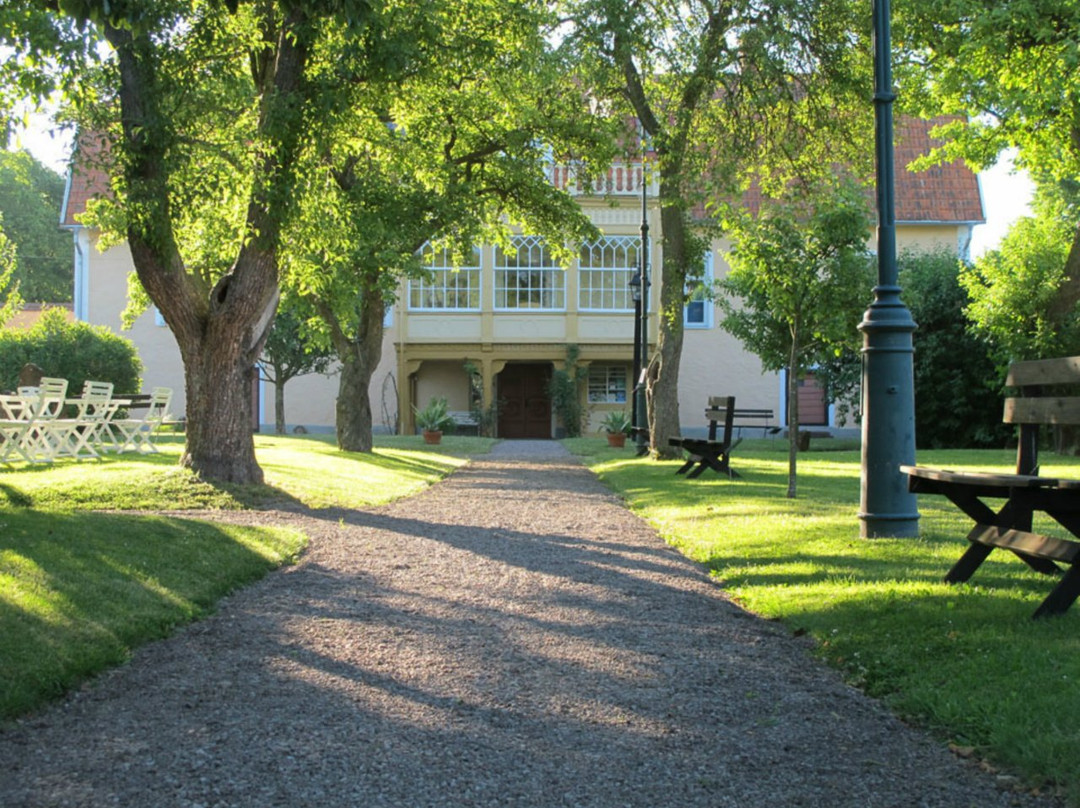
(309, 470)
(82, 583)
(965, 661)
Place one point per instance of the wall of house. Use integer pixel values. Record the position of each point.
(106, 297)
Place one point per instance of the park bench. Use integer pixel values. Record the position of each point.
(464, 419)
(714, 452)
(1041, 403)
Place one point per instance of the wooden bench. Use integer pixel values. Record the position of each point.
(712, 452)
(755, 419)
(464, 419)
(1025, 493)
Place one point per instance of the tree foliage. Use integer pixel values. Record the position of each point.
(10, 299)
(725, 93)
(957, 382)
(1009, 71)
(800, 280)
(453, 153)
(30, 198)
(1012, 289)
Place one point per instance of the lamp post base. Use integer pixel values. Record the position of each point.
(887, 509)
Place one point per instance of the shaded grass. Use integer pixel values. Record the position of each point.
(79, 591)
(966, 661)
(82, 584)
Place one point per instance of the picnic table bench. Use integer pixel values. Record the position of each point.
(1025, 493)
(714, 452)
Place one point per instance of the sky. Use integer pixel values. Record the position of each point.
(1006, 195)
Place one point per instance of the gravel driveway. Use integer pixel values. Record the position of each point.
(513, 636)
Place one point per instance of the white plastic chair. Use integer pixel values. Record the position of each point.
(137, 434)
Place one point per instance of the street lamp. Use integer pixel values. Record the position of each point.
(639, 290)
(886, 508)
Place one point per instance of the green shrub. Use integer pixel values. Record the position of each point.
(73, 351)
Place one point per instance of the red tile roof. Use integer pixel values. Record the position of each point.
(945, 194)
(87, 178)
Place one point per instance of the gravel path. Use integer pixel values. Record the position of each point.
(511, 637)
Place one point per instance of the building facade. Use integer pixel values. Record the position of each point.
(496, 328)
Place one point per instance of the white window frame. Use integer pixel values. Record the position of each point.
(606, 383)
(527, 278)
(707, 306)
(446, 285)
(605, 268)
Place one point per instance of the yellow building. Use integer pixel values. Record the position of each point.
(511, 315)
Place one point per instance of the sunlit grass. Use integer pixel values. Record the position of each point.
(82, 584)
(309, 470)
(966, 661)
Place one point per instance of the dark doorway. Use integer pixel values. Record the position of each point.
(525, 410)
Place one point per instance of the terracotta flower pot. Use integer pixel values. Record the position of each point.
(432, 437)
(616, 439)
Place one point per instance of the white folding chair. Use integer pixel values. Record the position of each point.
(137, 434)
(81, 435)
(47, 433)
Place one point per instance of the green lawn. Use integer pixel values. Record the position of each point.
(965, 661)
(82, 583)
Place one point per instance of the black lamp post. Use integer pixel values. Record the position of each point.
(639, 290)
(888, 388)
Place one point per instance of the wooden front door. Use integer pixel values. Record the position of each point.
(525, 410)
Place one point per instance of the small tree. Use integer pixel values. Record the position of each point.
(286, 355)
(799, 282)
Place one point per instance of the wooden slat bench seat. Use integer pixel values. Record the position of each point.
(1025, 493)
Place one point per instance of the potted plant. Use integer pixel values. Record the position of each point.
(434, 419)
(617, 426)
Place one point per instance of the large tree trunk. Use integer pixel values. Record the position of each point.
(663, 375)
(221, 330)
(359, 358)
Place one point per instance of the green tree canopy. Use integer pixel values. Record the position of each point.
(31, 195)
(725, 93)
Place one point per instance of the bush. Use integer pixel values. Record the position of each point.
(73, 351)
(958, 385)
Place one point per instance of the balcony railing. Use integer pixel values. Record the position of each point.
(621, 179)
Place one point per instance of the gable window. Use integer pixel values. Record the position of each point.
(698, 310)
(607, 384)
(527, 277)
(606, 267)
(445, 287)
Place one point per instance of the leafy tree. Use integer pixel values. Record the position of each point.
(206, 106)
(453, 153)
(286, 355)
(1013, 289)
(1008, 70)
(957, 382)
(30, 198)
(9, 286)
(799, 281)
(723, 92)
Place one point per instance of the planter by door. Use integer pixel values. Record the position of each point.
(616, 439)
(432, 437)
